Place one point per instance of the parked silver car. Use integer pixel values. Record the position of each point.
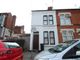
(65, 51)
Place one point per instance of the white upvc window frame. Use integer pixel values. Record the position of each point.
(65, 18)
(67, 35)
(78, 31)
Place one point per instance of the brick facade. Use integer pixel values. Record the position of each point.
(9, 20)
(8, 24)
(19, 30)
(75, 21)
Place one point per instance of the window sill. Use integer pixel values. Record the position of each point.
(66, 24)
(49, 25)
(49, 45)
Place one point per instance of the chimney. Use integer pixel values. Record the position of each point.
(50, 8)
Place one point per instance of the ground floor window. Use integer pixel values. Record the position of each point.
(46, 41)
(48, 37)
(67, 35)
(78, 32)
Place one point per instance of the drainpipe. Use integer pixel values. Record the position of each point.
(3, 33)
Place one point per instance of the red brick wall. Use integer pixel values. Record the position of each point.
(9, 20)
(75, 20)
(13, 22)
(17, 30)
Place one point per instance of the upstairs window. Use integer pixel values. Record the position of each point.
(50, 19)
(45, 20)
(65, 19)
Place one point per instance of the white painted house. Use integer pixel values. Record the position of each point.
(43, 29)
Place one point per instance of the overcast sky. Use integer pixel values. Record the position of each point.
(22, 8)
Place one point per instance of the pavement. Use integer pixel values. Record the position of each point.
(29, 55)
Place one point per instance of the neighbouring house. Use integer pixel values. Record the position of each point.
(18, 32)
(53, 26)
(43, 29)
(68, 24)
(7, 23)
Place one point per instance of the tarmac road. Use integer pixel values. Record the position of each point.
(29, 55)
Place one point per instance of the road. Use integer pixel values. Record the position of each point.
(29, 55)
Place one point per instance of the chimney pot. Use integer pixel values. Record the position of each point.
(50, 8)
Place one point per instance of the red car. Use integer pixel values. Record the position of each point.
(10, 51)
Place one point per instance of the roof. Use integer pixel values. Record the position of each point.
(56, 9)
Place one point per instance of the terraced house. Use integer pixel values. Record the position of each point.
(68, 24)
(7, 24)
(53, 26)
(43, 29)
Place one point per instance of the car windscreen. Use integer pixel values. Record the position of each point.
(11, 45)
(61, 47)
(57, 48)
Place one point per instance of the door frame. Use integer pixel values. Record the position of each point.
(36, 40)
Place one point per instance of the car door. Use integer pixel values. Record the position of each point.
(73, 53)
(16, 50)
